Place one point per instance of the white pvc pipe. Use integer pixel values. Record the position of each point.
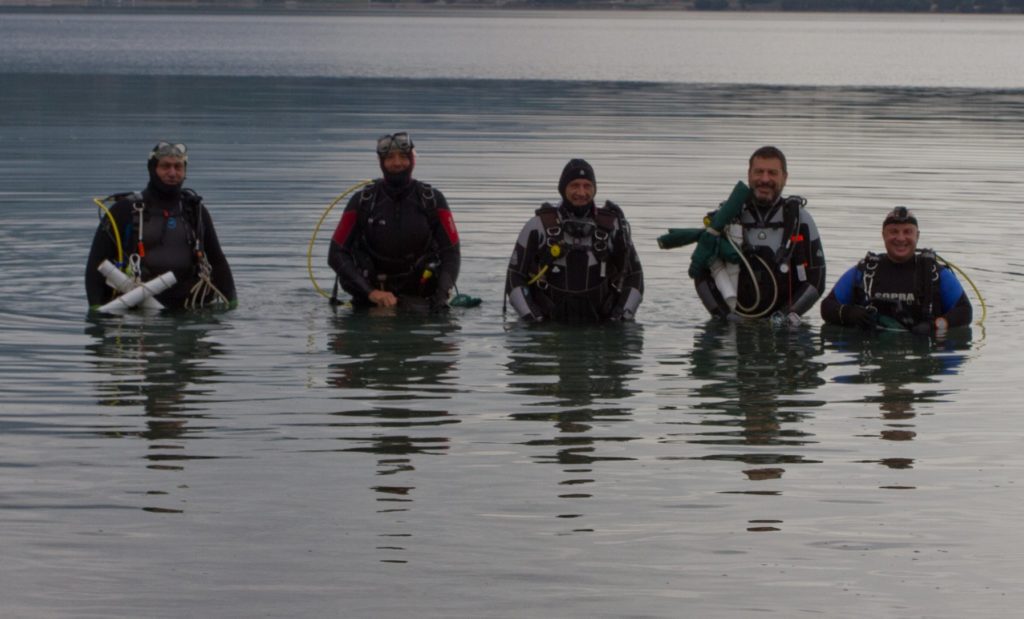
(120, 282)
(140, 293)
(727, 275)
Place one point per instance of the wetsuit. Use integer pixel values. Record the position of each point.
(596, 275)
(782, 245)
(388, 237)
(172, 222)
(915, 292)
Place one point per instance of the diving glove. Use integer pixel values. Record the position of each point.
(859, 316)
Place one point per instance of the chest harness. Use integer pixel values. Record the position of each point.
(792, 238)
(605, 219)
(424, 259)
(926, 278)
(189, 214)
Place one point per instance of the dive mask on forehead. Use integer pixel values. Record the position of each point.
(900, 215)
(167, 149)
(394, 141)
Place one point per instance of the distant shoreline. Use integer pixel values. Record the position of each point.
(539, 6)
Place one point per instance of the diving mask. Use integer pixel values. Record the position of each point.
(394, 141)
(900, 215)
(167, 149)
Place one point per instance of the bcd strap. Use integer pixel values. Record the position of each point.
(428, 206)
(926, 277)
(927, 280)
(553, 233)
(605, 220)
(790, 229)
(869, 266)
(191, 216)
(427, 202)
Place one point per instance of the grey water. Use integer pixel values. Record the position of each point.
(292, 459)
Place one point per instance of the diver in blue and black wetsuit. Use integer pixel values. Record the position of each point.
(781, 245)
(396, 243)
(903, 286)
(575, 262)
(164, 228)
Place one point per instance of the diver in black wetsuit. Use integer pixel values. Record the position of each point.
(908, 287)
(396, 243)
(164, 228)
(575, 262)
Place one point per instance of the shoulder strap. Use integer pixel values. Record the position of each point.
(871, 258)
(428, 203)
(791, 236)
(791, 214)
(607, 216)
(551, 220)
(192, 206)
(869, 267)
(927, 281)
(367, 200)
(552, 223)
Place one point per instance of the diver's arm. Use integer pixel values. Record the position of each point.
(341, 255)
(810, 275)
(523, 258)
(632, 281)
(446, 237)
(104, 247)
(220, 270)
(835, 308)
(955, 313)
(708, 298)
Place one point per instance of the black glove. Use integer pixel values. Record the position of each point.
(439, 302)
(857, 316)
(922, 328)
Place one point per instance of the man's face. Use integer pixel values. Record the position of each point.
(170, 171)
(396, 162)
(900, 241)
(766, 179)
(580, 192)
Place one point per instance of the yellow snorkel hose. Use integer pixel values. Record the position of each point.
(312, 239)
(977, 293)
(113, 226)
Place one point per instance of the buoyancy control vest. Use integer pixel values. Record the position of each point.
(165, 238)
(574, 239)
(778, 241)
(393, 273)
(774, 246)
(909, 302)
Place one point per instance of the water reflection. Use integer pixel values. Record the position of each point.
(402, 364)
(161, 364)
(580, 379)
(753, 384)
(896, 361)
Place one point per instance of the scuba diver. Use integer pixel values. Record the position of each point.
(396, 243)
(575, 262)
(170, 230)
(904, 285)
(784, 272)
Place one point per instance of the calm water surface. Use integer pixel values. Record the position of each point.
(289, 459)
